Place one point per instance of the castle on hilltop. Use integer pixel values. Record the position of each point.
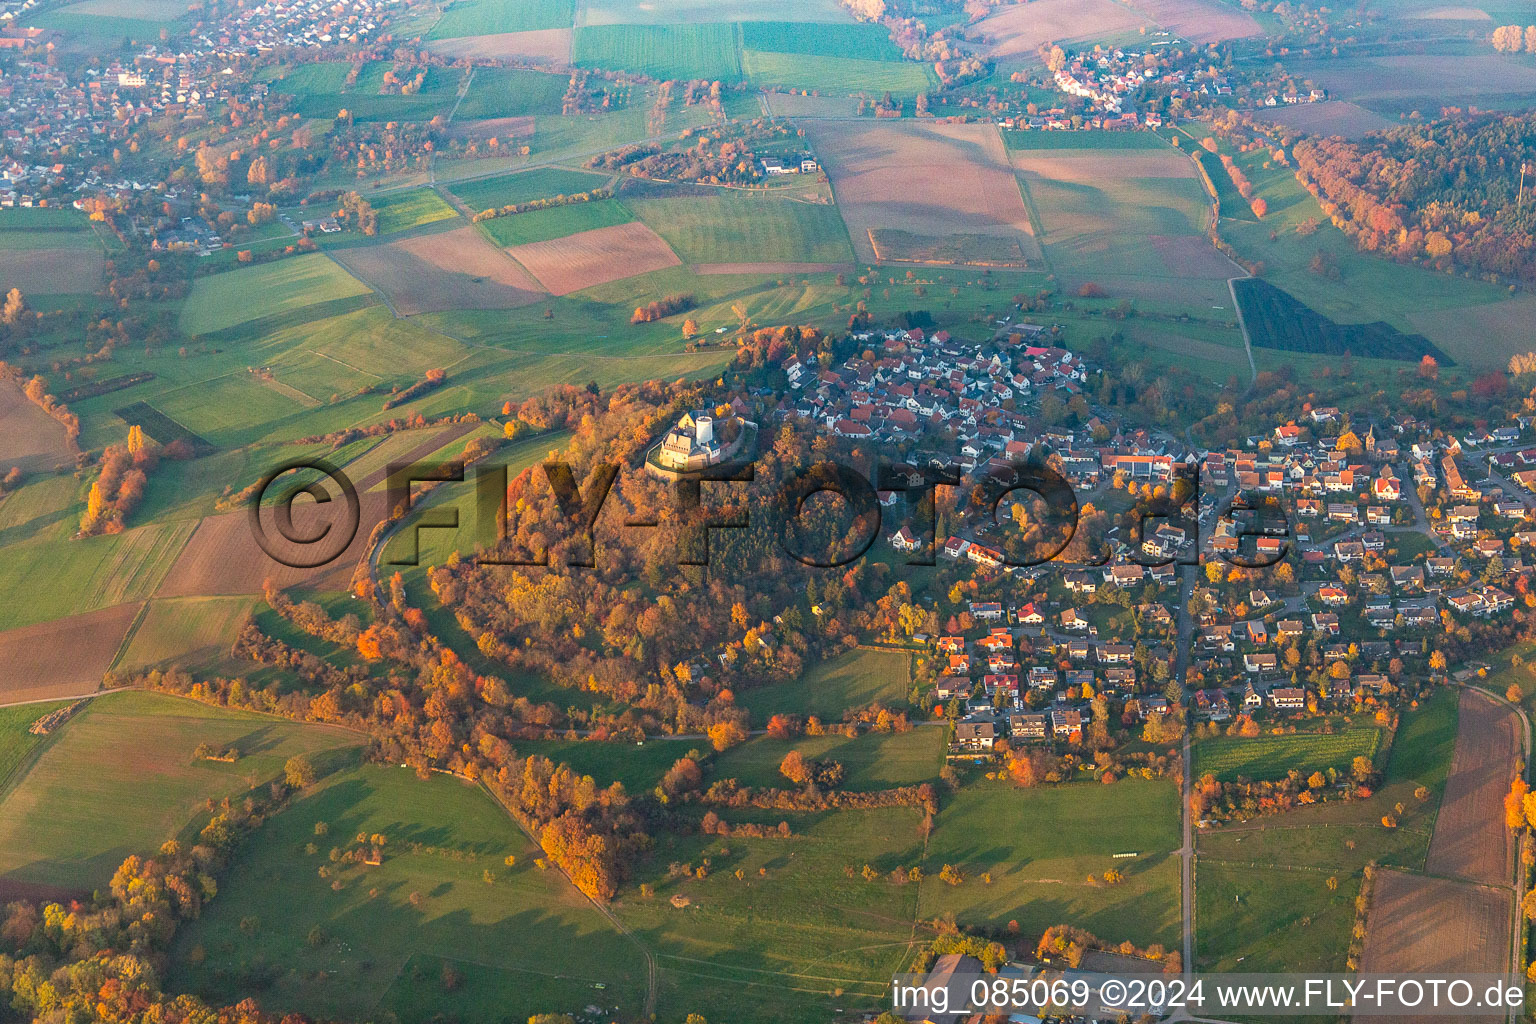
(701, 439)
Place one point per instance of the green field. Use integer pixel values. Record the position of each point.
(616, 12)
(835, 75)
(525, 186)
(709, 51)
(1105, 228)
(16, 743)
(1041, 844)
(88, 573)
(1270, 757)
(872, 761)
(127, 758)
(1260, 886)
(411, 208)
(555, 222)
(183, 631)
(508, 92)
(486, 17)
(775, 947)
(235, 297)
(853, 680)
(736, 229)
(862, 41)
(320, 91)
(381, 955)
(1033, 139)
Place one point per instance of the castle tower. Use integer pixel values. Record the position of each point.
(704, 429)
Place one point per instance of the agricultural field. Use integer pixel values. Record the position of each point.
(744, 943)
(235, 297)
(321, 91)
(29, 437)
(1275, 320)
(589, 258)
(550, 47)
(1332, 117)
(524, 186)
(1019, 30)
(1016, 140)
(455, 269)
(16, 741)
(731, 229)
(1199, 21)
(183, 631)
(127, 758)
(927, 180)
(853, 680)
(388, 931)
(1041, 845)
(676, 51)
(1471, 841)
(411, 208)
(873, 761)
(1395, 84)
(509, 92)
(1481, 337)
(1270, 757)
(834, 75)
(1273, 918)
(98, 20)
(40, 267)
(555, 222)
(684, 12)
(490, 17)
(1437, 926)
(862, 41)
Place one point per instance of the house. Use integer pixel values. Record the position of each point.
(950, 687)
(1213, 704)
(1027, 725)
(1069, 619)
(1066, 723)
(987, 611)
(1288, 698)
(1253, 699)
(905, 540)
(1287, 436)
(1260, 661)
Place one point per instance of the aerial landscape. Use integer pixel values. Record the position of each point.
(709, 511)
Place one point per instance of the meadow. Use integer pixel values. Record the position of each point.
(852, 680)
(320, 91)
(220, 301)
(410, 208)
(540, 183)
(555, 222)
(873, 761)
(510, 92)
(1033, 139)
(834, 74)
(1040, 846)
(618, 12)
(374, 941)
(1270, 757)
(16, 742)
(737, 229)
(683, 51)
(862, 41)
(184, 632)
(487, 17)
(127, 758)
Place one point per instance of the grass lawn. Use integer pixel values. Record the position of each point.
(736, 229)
(509, 92)
(556, 222)
(1270, 757)
(540, 183)
(852, 680)
(119, 778)
(834, 74)
(1272, 919)
(381, 954)
(1040, 845)
(488, 17)
(411, 208)
(708, 51)
(873, 761)
(799, 927)
(235, 297)
(638, 766)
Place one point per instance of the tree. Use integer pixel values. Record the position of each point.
(15, 305)
(725, 735)
(690, 328)
(299, 772)
(795, 769)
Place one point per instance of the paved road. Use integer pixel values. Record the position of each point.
(1185, 638)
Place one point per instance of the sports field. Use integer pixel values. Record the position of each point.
(252, 293)
(733, 229)
(372, 941)
(127, 758)
(1270, 757)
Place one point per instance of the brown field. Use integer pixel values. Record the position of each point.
(1433, 926)
(588, 258)
(893, 246)
(773, 269)
(1331, 117)
(551, 46)
(1095, 166)
(1019, 31)
(520, 127)
(1440, 78)
(62, 658)
(51, 271)
(29, 437)
(1482, 336)
(1199, 21)
(1450, 14)
(1470, 839)
(222, 557)
(931, 180)
(1188, 256)
(455, 269)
